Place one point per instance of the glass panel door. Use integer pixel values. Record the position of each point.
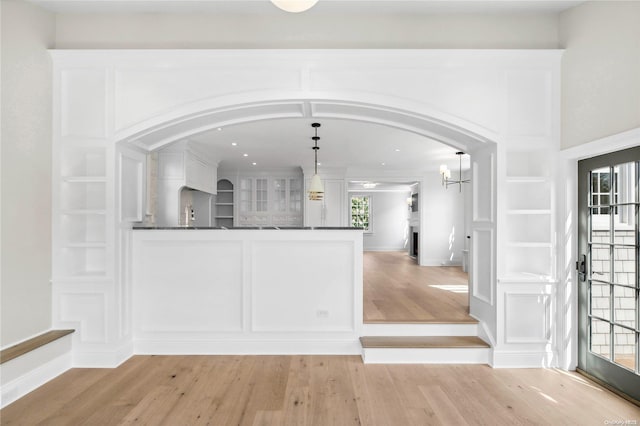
(609, 289)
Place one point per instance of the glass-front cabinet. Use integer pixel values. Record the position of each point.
(270, 201)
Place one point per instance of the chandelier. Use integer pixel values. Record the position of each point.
(294, 6)
(445, 173)
(316, 189)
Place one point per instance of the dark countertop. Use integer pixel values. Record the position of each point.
(262, 228)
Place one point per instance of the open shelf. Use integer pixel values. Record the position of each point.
(84, 179)
(83, 262)
(81, 160)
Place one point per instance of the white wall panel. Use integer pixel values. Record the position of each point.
(312, 290)
(483, 181)
(529, 103)
(527, 318)
(482, 269)
(141, 94)
(88, 312)
(189, 286)
(79, 117)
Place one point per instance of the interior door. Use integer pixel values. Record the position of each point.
(608, 256)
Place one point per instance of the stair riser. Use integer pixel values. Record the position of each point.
(426, 355)
(420, 330)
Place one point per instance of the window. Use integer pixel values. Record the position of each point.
(361, 212)
(601, 191)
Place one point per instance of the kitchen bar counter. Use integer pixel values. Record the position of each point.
(250, 291)
(245, 228)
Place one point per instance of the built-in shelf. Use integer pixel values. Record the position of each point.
(85, 245)
(225, 190)
(527, 179)
(525, 244)
(224, 217)
(224, 204)
(83, 211)
(524, 277)
(528, 211)
(84, 179)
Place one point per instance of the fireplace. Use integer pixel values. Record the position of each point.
(414, 245)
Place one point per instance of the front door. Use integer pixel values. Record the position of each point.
(608, 283)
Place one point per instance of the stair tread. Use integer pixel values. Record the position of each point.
(424, 321)
(32, 344)
(422, 342)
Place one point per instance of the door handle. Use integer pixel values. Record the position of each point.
(581, 267)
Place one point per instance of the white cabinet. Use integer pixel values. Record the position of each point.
(331, 211)
(269, 201)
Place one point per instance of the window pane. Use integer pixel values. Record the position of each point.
(604, 200)
(600, 300)
(604, 182)
(624, 350)
(600, 262)
(600, 338)
(624, 262)
(624, 306)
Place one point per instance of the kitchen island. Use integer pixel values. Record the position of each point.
(272, 290)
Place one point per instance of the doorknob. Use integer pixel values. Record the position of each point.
(581, 267)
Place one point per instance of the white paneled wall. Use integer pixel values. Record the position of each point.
(501, 107)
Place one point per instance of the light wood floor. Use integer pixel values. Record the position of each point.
(396, 289)
(313, 390)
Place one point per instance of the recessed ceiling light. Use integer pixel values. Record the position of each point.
(234, 144)
(319, 163)
(254, 163)
(219, 128)
(245, 155)
(382, 164)
(397, 150)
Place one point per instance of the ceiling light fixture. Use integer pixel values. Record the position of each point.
(445, 173)
(245, 155)
(294, 6)
(316, 189)
(234, 144)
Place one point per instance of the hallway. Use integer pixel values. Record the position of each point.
(396, 289)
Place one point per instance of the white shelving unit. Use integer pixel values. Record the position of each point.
(81, 231)
(529, 217)
(224, 204)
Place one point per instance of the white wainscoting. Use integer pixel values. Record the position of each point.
(247, 291)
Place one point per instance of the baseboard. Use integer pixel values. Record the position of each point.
(104, 359)
(248, 347)
(441, 262)
(33, 369)
(520, 359)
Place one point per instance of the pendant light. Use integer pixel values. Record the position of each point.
(446, 174)
(294, 6)
(316, 189)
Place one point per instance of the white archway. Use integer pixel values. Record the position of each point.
(499, 106)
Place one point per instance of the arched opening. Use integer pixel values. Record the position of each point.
(205, 116)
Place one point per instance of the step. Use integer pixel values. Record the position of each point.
(32, 344)
(420, 329)
(424, 350)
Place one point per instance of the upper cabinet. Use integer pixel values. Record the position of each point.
(271, 200)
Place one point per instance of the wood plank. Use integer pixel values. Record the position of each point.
(422, 342)
(314, 390)
(22, 348)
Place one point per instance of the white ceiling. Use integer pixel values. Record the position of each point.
(355, 145)
(343, 7)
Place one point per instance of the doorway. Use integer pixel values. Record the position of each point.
(608, 265)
